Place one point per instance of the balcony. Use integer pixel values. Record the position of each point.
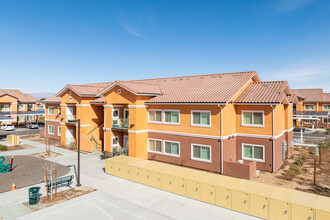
(69, 118)
(120, 123)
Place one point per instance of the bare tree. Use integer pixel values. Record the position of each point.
(49, 167)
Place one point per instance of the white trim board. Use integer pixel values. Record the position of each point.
(52, 120)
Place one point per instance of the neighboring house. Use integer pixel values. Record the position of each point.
(314, 104)
(207, 122)
(53, 114)
(18, 106)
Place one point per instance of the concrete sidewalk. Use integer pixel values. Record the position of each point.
(115, 198)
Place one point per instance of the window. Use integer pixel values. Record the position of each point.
(51, 110)
(309, 107)
(201, 118)
(201, 152)
(308, 121)
(326, 120)
(1, 107)
(172, 148)
(155, 116)
(20, 118)
(59, 111)
(6, 108)
(115, 142)
(172, 116)
(59, 131)
(326, 107)
(21, 107)
(253, 118)
(51, 129)
(30, 106)
(155, 145)
(30, 117)
(115, 117)
(253, 152)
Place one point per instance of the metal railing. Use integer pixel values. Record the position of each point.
(68, 118)
(120, 123)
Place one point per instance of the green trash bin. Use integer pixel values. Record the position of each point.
(33, 195)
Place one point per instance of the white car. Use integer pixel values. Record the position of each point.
(8, 127)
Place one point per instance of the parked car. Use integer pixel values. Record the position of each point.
(8, 127)
(32, 125)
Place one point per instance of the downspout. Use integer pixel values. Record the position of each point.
(221, 141)
(273, 138)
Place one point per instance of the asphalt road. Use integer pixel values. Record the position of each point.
(311, 138)
(19, 131)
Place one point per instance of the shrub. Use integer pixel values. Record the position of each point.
(289, 174)
(303, 155)
(299, 162)
(328, 130)
(3, 147)
(296, 168)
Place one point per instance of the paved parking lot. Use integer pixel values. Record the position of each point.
(19, 131)
(115, 198)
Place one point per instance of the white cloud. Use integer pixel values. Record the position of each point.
(289, 5)
(305, 74)
(132, 31)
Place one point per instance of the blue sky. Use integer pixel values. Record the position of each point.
(46, 44)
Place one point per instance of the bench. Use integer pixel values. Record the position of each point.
(59, 181)
(107, 154)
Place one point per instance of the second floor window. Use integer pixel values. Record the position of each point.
(59, 111)
(201, 118)
(21, 107)
(252, 118)
(171, 116)
(30, 106)
(326, 107)
(51, 110)
(309, 107)
(155, 116)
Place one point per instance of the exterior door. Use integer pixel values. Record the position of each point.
(69, 113)
(69, 136)
(6, 108)
(115, 118)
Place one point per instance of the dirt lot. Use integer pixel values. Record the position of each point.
(17, 147)
(44, 155)
(61, 197)
(40, 140)
(304, 181)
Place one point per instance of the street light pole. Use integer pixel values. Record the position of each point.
(78, 175)
(78, 183)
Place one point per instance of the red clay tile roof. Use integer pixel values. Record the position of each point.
(211, 88)
(263, 92)
(98, 100)
(53, 99)
(326, 97)
(141, 87)
(18, 94)
(310, 95)
(91, 89)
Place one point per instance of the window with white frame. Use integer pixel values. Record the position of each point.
(51, 129)
(326, 120)
(171, 148)
(326, 107)
(59, 111)
(30, 106)
(21, 107)
(115, 117)
(115, 142)
(253, 152)
(309, 107)
(172, 116)
(20, 118)
(7, 108)
(155, 115)
(201, 118)
(155, 145)
(253, 118)
(51, 110)
(59, 131)
(30, 117)
(201, 152)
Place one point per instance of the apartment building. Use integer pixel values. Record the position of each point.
(313, 106)
(230, 123)
(21, 108)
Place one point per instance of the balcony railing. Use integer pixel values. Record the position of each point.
(69, 118)
(120, 123)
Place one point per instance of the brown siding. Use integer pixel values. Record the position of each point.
(185, 152)
(56, 125)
